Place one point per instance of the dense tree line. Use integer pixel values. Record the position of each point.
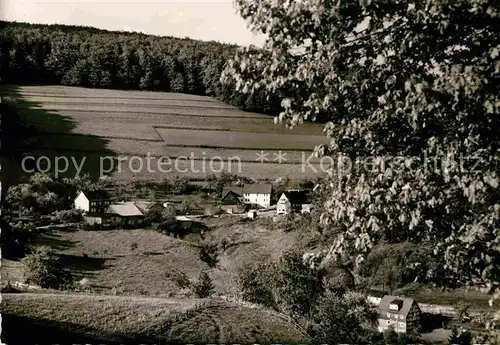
(89, 57)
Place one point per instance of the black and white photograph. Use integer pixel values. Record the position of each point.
(250, 172)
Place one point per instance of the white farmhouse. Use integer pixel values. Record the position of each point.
(96, 201)
(257, 195)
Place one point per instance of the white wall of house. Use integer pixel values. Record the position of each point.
(283, 206)
(82, 203)
(263, 200)
(306, 208)
(93, 220)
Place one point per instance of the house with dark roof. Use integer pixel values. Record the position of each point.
(232, 201)
(252, 195)
(257, 195)
(294, 201)
(399, 313)
(148, 206)
(96, 201)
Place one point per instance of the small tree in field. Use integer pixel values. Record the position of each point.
(204, 287)
(44, 269)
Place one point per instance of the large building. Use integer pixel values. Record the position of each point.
(257, 195)
(252, 195)
(96, 201)
(399, 313)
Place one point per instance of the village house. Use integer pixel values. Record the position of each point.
(98, 218)
(257, 195)
(237, 199)
(98, 209)
(399, 313)
(294, 201)
(126, 209)
(149, 206)
(232, 201)
(96, 201)
(375, 297)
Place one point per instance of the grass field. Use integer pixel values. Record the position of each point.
(118, 319)
(113, 267)
(91, 122)
(134, 293)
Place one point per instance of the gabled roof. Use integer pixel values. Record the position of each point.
(236, 190)
(404, 305)
(256, 188)
(97, 214)
(145, 206)
(96, 194)
(231, 198)
(125, 209)
(298, 197)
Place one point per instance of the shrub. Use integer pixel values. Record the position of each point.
(390, 335)
(182, 281)
(133, 246)
(167, 226)
(43, 268)
(395, 265)
(298, 284)
(65, 216)
(9, 288)
(257, 284)
(153, 216)
(204, 287)
(463, 312)
(83, 285)
(16, 236)
(459, 336)
(340, 318)
(209, 253)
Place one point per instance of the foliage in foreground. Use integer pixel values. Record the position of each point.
(43, 268)
(341, 318)
(291, 286)
(411, 93)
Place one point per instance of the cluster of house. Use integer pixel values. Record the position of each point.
(98, 209)
(259, 196)
(401, 314)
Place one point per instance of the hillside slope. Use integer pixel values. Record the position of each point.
(54, 318)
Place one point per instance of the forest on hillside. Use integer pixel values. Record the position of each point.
(90, 57)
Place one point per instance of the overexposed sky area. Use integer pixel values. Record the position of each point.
(202, 19)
